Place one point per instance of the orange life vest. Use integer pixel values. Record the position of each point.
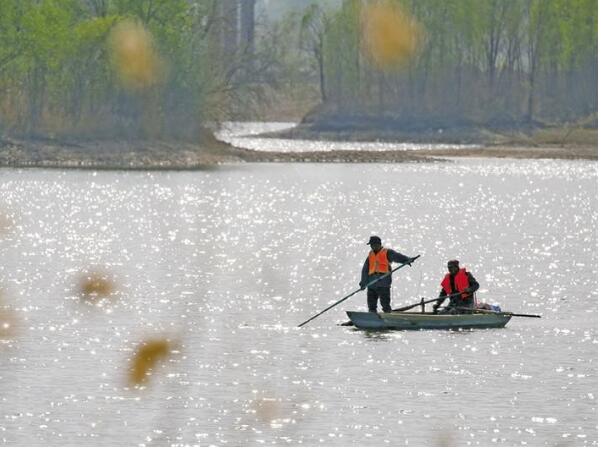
(461, 283)
(378, 263)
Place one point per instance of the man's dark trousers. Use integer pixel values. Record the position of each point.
(454, 302)
(372, 298)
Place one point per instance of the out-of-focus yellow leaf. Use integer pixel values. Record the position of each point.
(134, 55)
(147, 355)
(390, 35)
(267, 409)
(95, 286)
(8, 321)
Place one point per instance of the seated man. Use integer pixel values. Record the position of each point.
(462, 285)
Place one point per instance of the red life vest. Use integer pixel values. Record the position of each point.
(378, 263)
(461, 283)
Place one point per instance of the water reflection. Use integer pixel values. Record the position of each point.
(375, 335)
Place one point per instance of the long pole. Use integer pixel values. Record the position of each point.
(499, 313)
(357, 291)
(402, 309)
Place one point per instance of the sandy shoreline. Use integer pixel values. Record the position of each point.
(160, 155)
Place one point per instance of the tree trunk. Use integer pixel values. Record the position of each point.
(228, 27)
(533, 54)
(531, 85)
(35, 98)
(322, 78)
(247, 25)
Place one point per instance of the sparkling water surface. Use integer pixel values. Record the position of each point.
(246, 135)
(227, 263)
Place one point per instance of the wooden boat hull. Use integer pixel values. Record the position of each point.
(415, 321)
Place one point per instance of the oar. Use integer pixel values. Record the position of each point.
(357, 291)
(402, 309)
(499, 313)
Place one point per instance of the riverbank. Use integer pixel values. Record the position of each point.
(167, 155)
(176, 155)
(541, 143)
(116, 155)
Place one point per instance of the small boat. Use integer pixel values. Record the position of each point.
(416, 320)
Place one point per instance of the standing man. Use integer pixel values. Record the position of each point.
(376, 265)
(461, 283)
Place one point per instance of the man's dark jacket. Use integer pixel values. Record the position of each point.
(392, 256)
(457, 300)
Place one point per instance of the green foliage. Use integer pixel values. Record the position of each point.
(49, 33)
(11, 44)
(93, 31)
(56, 74)
(479, 59)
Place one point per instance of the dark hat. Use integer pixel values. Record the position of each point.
(374, 239)
(453, 262)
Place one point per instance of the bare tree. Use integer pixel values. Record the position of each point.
(247, 25)
(314, 26)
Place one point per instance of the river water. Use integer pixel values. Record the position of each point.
(247, 135)
(227, 263)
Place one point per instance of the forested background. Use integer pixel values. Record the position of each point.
(167, 68)
(496, 61)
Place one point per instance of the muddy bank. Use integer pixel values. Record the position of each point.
(517, 152)
(161, 155)
(345, 156)
(103, 154)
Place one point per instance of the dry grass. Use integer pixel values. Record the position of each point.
(566, 136)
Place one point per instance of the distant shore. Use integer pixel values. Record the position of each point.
(176, 155)
(541, 143)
